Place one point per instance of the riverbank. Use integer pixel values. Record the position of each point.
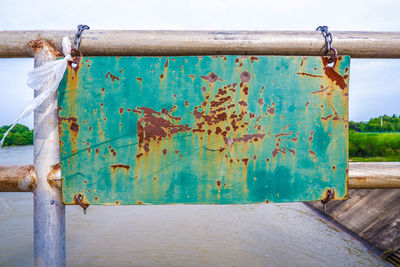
(371, 214)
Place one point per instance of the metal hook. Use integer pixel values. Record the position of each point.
(79, 201)
(77, 39)
(330, 193)
(75, 61)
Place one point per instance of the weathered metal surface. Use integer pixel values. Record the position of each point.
(357, 44)
(49, 210)
(17, 178)
(212, 129)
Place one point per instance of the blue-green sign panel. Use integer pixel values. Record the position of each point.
(208, 129)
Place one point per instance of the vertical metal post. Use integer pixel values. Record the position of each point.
(49, 211)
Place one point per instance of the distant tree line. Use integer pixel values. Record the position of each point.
(381, 124)
(20, 135)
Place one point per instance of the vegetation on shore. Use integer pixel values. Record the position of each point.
(20, 135)
(374, 146)
(375, 140)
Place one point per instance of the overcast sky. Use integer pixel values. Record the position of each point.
(374, 84)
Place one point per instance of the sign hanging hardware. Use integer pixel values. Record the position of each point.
(330, 193)
(328, 43)
(79, 201)
(77, 39)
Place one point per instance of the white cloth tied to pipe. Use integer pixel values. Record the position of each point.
(51, 72)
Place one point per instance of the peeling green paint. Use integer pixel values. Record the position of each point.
(203, 130)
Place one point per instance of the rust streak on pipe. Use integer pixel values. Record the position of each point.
(17, 178)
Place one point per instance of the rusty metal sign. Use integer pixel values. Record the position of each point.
(202, 130)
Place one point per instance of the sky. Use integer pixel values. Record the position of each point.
(374, 83)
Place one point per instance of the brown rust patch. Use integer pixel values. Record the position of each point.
(72, 121)
(242, 103)
(122, 166)
(309, 75)
(276, 151)
(282, 134)
(113, 77)
(112, 151)
(212, 77)
(331, 73)
(244, 138)
(320, 91)
(37, 45)
(74, 127)
(156, 126)
(271, 110)
(245, 77)
(252, 59)
(311, 136)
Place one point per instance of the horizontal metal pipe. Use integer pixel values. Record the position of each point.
(165, 43)
(23, 178)
(17, 178)
(371, 175)
(380, 181)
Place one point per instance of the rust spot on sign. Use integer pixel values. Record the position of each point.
(116, 166)
(113, 77)
(331, 73)
(212, 77)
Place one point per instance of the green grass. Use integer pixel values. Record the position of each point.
(374, 146)
(376, 159)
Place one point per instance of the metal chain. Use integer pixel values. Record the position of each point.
(77, 39)
(328, 42)
(327, 36)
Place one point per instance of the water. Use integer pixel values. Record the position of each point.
(181, 235)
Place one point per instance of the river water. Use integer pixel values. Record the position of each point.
(181, 235)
